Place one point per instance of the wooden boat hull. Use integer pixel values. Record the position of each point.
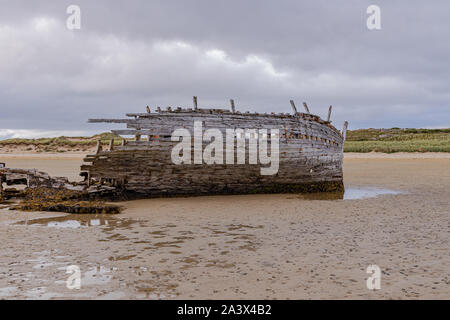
(310, 157)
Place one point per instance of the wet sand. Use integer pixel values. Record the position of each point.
(250, 246)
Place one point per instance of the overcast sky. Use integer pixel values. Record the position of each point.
(129, 54)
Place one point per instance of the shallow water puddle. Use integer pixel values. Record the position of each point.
(351, 193)
(354, 193)
(74, 221)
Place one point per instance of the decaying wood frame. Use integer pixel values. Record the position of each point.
(311, 152)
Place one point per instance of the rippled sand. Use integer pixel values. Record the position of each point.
(252, 247)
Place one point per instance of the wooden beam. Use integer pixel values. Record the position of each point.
(344, 130)
(232, 106)
(132, 132)
(306, 107)
(293, 106)
(111, 120)
(98, 149)
(329, 113)
(194, 98)
(111, 145)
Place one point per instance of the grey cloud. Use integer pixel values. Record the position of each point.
(262, 53)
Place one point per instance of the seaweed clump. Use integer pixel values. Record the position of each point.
(62, 200)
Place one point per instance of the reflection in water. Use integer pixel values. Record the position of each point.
(74, 221)
(73, 224)
(351, 193)
(366, 192)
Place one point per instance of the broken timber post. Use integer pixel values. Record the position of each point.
(99, 147)
(344, 130)
(329, 113)
(306, 107)
(232, 106)
(195, 102)
(293, 106)
(111, 145)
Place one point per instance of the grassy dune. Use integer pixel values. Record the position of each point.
(59, 144)
(398, 140)
(363, 140)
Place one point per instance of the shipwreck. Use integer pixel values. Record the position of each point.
(310, 154)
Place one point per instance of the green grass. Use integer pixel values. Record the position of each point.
(398, 140)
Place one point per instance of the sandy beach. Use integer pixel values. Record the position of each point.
(242, 247)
